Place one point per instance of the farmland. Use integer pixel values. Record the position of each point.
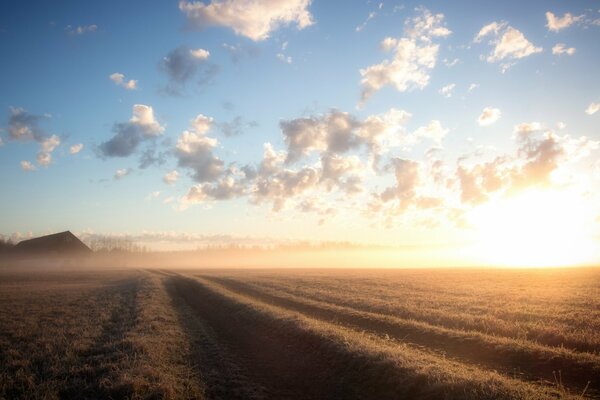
(299, 334)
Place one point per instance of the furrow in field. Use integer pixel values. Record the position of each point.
(574, 338)
(296, 356)
(532, 361)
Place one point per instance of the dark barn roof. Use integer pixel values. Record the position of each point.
(63, 243)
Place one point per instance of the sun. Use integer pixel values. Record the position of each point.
(538, 228)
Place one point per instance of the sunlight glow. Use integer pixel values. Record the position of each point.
(535, 229)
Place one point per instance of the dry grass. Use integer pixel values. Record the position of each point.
(299, 334)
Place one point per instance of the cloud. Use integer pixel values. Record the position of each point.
(561, 48)
(362, 26)
(592, 108)
(509, 44)
(236, 126)
(129, 135)
(76, 148)
(121, 173)
(446, 91)
(81, 29)
(27, 166)
(171, 177)
(488, 116)
(493, 28)
(555, 23)
(23, 126)
(433, 131)
(182, 65)
(119, 80)
(194, 150)
(255, 19)
(282, 57)
(414, 56)
(44, 157)
(200, 54)
(473, 86)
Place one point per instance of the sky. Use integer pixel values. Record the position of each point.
(449, 133)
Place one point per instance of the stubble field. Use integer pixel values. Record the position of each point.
(300, 334)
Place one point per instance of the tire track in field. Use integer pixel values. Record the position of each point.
(242, 358)
(297, 357)
(221, 376)
(532, 364)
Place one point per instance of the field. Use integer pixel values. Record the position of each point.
(299, 334)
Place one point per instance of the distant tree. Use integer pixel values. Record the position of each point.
(112, 244)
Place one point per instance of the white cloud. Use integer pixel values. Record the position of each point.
(282, 57)
(81, 29)
(561, 48)
(119, 80)
(492, 28)
(194, 150)
(433, 131)
(509, 44)
(255, 19)
(414, 56)
(592, 108)
(364, 24)
(473, 86)
(171, 177)
(200, 54)
(121, 173)
(488, 116)
(44, 157)
(76, 148)
(451, 63)
(27, 166)
(447, 90)
(555, 23)
(512, 45)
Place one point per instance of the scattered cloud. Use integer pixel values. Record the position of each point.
(23, 126)
(121, 173)
(255, 19)
(171, 177)
(119, 80)
(81, 29)
(44, 157)
(129, 135)
(488, 116)
(194, 151)
(556, 23)
(200, 54)
(236, 126)
(509, 44)
(451, 63)
(560, 49)
(362, 26)
(592, 108)
(27, 166)
(447, 90)
(414, 56)
(182, 65)
(282, 57)
(473, 86)
(76, 148)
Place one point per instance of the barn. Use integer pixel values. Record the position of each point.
(59, 244)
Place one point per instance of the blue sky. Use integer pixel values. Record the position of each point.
(58, 59)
